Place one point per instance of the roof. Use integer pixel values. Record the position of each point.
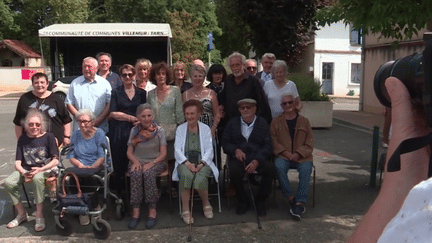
(19, 47)
(106, 30)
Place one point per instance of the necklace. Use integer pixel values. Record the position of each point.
(198, 95)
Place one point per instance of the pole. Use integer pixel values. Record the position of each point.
(374, 161)
(209, 59)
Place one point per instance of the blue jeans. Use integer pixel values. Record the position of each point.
(304, 169)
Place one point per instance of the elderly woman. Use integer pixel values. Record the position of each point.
(36, 159)
(180, 75)
(216, 75)
(166, 101)
(147, 150)
(210, 114)
(124, 102)
(279, 86)
(194, 159)
(87, 150)
(50, 104)
(143, 67)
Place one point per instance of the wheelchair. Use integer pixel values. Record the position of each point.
(77, 204)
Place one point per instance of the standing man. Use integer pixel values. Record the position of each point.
(267, 61)
(240, 85)
(247, 143)
(251, 66)
(90, 91)
(105, 60)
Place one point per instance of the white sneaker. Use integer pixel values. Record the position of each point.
(84, 220)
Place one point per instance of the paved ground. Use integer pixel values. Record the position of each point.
(342, 158)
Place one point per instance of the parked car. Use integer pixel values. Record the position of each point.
(61, 86)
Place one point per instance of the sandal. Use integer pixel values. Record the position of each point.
(208, 212)
(186, 216)
(40, 224)
(17, 221)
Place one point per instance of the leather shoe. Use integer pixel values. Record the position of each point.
(133, 222)
(151, 222)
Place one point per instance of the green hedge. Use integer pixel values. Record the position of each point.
(309, 89)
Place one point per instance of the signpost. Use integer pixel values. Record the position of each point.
(209, 45)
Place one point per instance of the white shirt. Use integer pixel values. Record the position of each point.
(266, 77)
(149, 86)
(274, 95)
(246, 129)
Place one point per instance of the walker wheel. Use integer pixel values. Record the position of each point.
(105, 229)
(68, 228)
(120, 211)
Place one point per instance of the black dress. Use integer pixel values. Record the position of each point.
(119, 131)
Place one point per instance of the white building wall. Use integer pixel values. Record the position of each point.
(332, 44)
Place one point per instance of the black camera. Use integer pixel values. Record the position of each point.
(415, 73)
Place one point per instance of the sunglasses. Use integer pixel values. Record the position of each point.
(251, 68)
(287, 103)
(33, 124)
(84, 122)
(126, 75)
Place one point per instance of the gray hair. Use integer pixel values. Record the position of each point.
(289, 94)
(278, 64)
(142, 60)
(268, 55)
(253, 60)
(91, 59)
(236, 54)
(35, 113)
(143, 107)
(197, 68)
(83, 112)
(104, 54)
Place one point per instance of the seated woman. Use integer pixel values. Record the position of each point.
(147, 150)
(194, 159)
(87, 148)
(36, 160)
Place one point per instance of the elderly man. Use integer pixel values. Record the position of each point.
(247, 143)
(90, 91)
(292, 140)
(104, 61)
(267, 61)
(240, 85)
(251, 66)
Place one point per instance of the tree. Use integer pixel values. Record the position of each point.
(397, 19)
(129, 11)
(183, 29)
(282, 27)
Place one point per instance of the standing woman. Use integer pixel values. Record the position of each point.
(279, 86)
(36, 159)
(216, 75)
(167, 103)
(142, 68)
(210, 115)
(180, 75)
(50, 104)
(124, 102)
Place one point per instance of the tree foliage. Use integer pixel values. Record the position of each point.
(128, 11)
(399, 19)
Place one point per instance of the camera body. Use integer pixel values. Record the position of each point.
(415, 73)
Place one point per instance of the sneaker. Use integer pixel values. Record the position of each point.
(297, 211)
(84, 220)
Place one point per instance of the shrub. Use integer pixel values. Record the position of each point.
(309, 89)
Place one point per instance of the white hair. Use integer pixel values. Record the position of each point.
(237, 54)
(278, 64)
(269, 55)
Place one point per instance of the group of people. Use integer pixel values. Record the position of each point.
(154, 116)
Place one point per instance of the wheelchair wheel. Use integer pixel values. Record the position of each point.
(68, 228)
(105, 229)
(120, 211)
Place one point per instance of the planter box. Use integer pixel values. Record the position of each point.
(319, 113)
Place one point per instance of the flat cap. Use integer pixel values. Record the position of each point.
(246, 101)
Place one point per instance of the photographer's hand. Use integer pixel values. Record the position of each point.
(407, 123)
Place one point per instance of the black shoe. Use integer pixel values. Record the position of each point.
(297, 211)
(242, 208)
(292, 202)
(151, 222)
(261, 209)
(133, 222)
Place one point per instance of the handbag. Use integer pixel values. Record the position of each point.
(80, 199)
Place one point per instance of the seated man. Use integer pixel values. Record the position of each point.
(246, 141)
(292, 141)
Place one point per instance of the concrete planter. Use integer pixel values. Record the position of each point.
(319, 113)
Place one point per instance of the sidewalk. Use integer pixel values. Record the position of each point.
(358, 119)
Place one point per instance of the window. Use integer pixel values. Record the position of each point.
(356, 73)
(356, 37)
(6, 63)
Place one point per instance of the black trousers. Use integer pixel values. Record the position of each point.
(265, 169)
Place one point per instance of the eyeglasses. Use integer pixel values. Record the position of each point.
(245, 107)
(33, 124)
(84, 122)
(251, 68)
(287, 103)
(125, 75)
